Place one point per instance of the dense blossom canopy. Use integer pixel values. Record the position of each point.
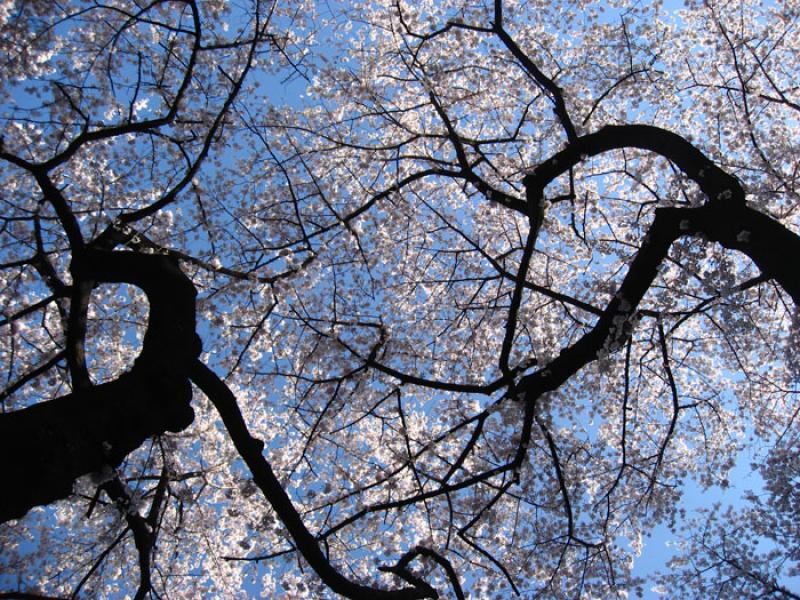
(389, 298)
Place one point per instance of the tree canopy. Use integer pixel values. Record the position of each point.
(393, 299)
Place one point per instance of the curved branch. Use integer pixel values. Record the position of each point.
(401, 568)
(725, 218)
(57, 441)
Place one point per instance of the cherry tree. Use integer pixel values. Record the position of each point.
(460, 320)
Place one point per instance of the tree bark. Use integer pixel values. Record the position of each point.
(46, 447)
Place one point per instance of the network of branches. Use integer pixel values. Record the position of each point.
(394, 299)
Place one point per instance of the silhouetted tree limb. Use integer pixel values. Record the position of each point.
(250, 449)
(55, 442)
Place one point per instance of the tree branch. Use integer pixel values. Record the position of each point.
(250, 449)
(57, 441)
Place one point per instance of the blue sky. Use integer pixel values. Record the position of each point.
(657, 548)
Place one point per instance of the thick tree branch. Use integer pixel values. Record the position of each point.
(725, 218)
(57, 441)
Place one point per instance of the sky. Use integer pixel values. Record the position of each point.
(659, 545)
(657, 548)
